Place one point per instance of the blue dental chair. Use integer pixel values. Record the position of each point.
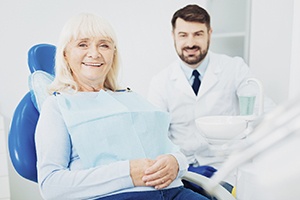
(21, 142)
(21, 136)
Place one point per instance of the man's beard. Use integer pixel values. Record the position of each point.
(195, 59)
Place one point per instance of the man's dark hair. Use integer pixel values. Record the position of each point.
(192, 13)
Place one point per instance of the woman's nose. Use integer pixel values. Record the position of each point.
(93, 52)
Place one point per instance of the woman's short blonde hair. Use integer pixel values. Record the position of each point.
(83, 25)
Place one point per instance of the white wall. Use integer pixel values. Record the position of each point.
(144, 32)
(295, 55)
(271, 45)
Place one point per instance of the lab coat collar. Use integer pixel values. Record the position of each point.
(211, 75)
(180, 80)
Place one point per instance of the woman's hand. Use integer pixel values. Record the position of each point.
(137, 170)
(162, 173)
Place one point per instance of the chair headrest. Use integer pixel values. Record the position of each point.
(41, 57)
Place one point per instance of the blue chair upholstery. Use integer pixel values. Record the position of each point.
(41, 57)
(21, 143)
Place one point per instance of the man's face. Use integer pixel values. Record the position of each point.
(191, 41)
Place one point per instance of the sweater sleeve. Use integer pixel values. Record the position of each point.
(182, 163)
(60, 172)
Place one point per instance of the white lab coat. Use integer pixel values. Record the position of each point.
(171, 91)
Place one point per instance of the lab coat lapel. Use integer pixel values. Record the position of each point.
(180, 81)
(210, 77)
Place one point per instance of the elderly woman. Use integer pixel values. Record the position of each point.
(95, 140)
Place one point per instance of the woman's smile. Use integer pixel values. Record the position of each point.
(92, 64)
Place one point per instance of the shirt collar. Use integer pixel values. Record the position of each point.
(188, 71)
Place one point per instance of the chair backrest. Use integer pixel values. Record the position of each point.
(21, 142)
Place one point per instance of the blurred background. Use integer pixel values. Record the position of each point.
(265, 33)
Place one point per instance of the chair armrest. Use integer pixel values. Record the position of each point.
(219, 191)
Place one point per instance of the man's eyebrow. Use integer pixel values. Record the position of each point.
(200, 31)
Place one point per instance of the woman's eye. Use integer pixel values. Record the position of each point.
(82, 45)
(105, 46)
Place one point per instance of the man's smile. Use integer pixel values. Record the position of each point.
(191, 50)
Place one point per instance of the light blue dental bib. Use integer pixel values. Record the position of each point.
(106, 127)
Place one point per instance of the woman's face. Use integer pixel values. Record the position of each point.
(90, 60)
